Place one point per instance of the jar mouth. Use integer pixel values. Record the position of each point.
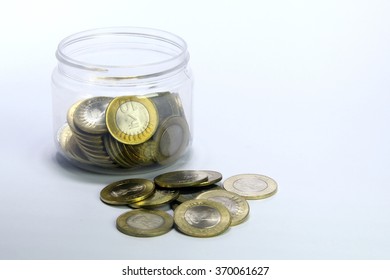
(121, 53)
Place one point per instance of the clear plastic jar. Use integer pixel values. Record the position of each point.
(122, 99)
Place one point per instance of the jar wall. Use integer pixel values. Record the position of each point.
(119, 116)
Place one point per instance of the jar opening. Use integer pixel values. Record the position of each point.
(121, 53)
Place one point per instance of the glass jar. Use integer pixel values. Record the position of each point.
(122, 99)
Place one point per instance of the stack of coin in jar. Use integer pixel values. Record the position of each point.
(125, 132)
(202, 207)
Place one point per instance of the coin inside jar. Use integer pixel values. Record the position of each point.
(131, 119)
(89, 115)
(251, 186)
(172, 139)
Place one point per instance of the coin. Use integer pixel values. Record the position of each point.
(89, 115)
(144, 223)
(131, 119)
(251, 186)
(236, 204)
(201, 218)
(179, 179)
(70, 114)
(212, 178)
(159, 198)
(172, 139)
(68, 145)
(164, 107)
(191, 193)
(113, 152)
(127, 191)
(142, 154)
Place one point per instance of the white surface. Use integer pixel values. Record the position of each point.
(296, 90)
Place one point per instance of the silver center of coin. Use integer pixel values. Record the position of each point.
(250, 185)
(132, 118)
(202, 216)
(122, 191)
(145, 221)
(171, 140)
(230, 204)
(95, 114)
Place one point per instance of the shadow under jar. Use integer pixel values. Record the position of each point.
(122, 99)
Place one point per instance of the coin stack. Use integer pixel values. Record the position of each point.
(202, 207)
(126, 132)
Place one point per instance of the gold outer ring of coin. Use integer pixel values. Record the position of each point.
(121, 136)
(236, 204)
(144, 223)
(181, 178)
(202, 218)
(159, 198)
(127, 191)
(251, 186)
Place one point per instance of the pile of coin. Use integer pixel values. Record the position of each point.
(201, 206)
(125, 132)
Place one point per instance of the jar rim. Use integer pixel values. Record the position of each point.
(177, 58)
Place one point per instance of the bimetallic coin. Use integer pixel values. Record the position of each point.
(212, 178)
(144, 223)
(172, 139)
(237, 205)
(202, 218)
(251, 186)
(131, 119)
(191, 193)
(70, 114)
(182, 178)
(69, 146)
(89, 115)
(127, 191)
(159, 198)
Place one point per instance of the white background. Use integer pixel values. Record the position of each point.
(295, 90)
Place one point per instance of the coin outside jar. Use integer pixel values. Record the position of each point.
(144, 223)
(251, 186)
(202, 218)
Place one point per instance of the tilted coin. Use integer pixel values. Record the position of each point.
(142, 154)
(181, 178)
(251, 186)
(236, 204)
(127, 191)
(159, 198)
(172, 139)
(131, 119)
(70, 114)
(144, 223)
(114, 153)
(164, 107)
(89, 115)
(202, 218)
